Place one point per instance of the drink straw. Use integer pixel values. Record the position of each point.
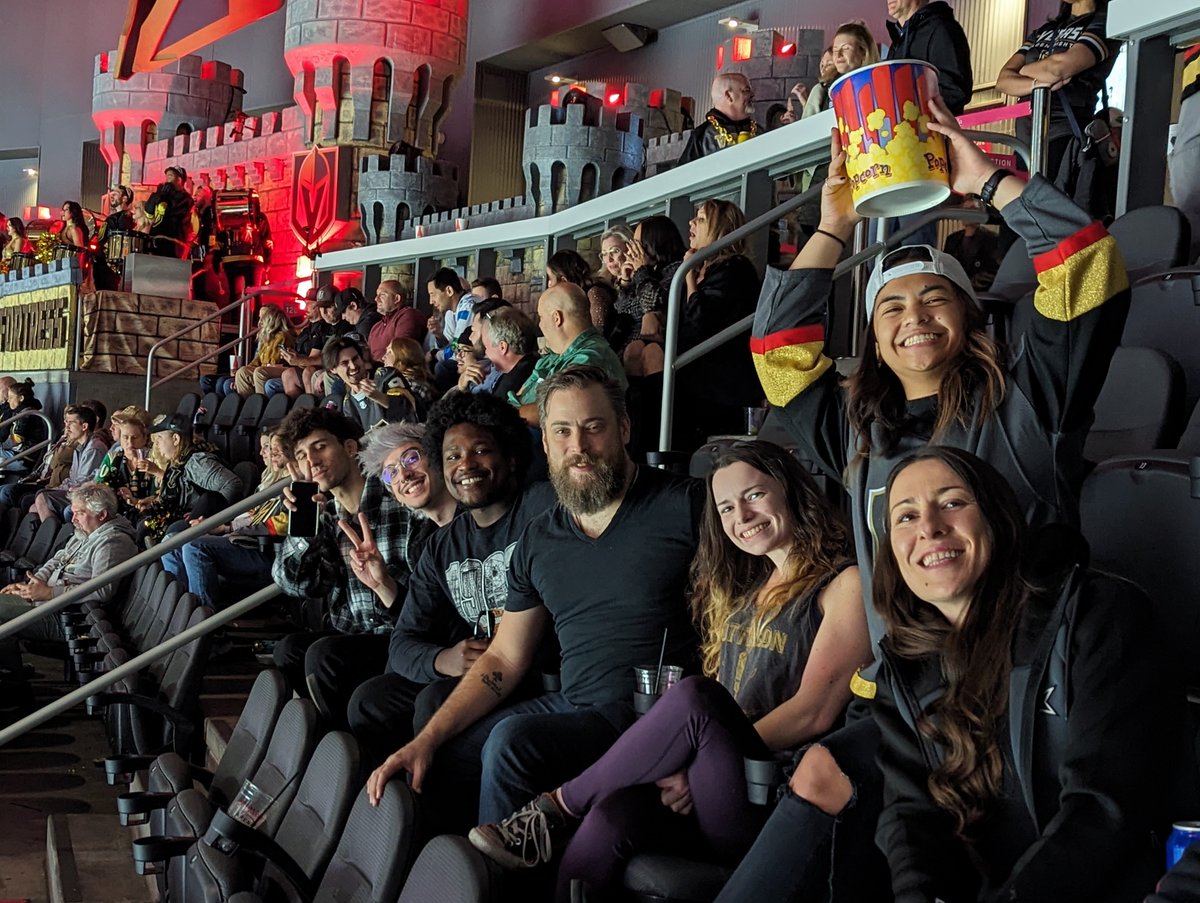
(661, 653)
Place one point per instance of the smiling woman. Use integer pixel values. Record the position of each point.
(1003, 669)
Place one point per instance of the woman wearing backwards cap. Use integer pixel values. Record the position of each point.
(929, 375)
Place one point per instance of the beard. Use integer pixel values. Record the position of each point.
(583, 494)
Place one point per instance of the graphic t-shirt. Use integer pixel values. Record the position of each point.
(1084, 87)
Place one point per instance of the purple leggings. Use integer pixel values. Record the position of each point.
(696, 727)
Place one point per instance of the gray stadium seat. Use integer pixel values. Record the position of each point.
(450, 870)
(1140, 406)
(1189, 441)
(1165, 314)
(1152, 239)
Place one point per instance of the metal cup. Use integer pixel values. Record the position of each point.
(754, 420)
(667, 678)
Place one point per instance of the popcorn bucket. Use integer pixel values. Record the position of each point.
(896, 164)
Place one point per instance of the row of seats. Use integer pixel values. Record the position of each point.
(231, 424)
(27, 542)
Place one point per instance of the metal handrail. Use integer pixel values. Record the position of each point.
(170, 544)
(200, 360)
(27, 453)
(135, 664)
(1039, 103)
(196, 324)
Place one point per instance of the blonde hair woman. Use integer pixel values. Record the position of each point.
(275, 333)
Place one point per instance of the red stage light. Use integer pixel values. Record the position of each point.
(788, 49)
(555, 97)
(104, 62)
(743, 47)
(658, 99)
(720, 56)
(614, 98)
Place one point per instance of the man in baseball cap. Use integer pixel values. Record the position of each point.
(170, 212)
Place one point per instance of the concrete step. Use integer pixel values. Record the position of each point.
(88, 861)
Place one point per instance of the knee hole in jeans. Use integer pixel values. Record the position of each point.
(820, 781)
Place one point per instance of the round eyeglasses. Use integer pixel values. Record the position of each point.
(407, 461)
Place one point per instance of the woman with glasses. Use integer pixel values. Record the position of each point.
(929, 374)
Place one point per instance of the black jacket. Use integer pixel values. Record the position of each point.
(934, 36)
(1182, 883)
(727, 294)
(1095, 734)
(28, 431)
(707, 140)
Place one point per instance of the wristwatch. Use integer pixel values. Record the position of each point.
(989, 187)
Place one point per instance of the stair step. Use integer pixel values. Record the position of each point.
(88, 861)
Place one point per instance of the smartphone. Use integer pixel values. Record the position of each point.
(303, 521)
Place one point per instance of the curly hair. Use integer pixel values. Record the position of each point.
(302, 422)
(493, 414)
(969, 720)
(726, 580)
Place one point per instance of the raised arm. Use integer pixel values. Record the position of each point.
(842, 645)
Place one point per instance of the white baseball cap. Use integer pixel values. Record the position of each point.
(910, 259)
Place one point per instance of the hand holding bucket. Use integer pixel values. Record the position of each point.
(896, 164)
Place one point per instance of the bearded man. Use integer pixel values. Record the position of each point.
(607, 570)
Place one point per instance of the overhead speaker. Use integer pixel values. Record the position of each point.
(626, 37)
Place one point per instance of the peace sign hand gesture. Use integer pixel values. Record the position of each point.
(366, 561)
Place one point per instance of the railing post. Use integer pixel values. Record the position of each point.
(1040, 121)
(757, 197)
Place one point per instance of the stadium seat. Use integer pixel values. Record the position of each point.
(38, 550)
(275, 411)
(670, 879)
(187, 405)
(243, 439)
(1141, 518)
(205, 413)
(223, 423)
(305, 401)
(1152, 239)
(450, 870)
(249, 473)
(1189, 441)
(1140, 406)
(1165, 314)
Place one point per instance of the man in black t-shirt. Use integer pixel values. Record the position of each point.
(460, 582)
(607, 570)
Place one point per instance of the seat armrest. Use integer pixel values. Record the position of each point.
(135, 808)
(120, 769)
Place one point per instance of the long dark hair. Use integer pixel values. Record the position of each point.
(661, 241)
(968, 720)
(877, 397)
(18, 226)
(569, 266)
(725, 580)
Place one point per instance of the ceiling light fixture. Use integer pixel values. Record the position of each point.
(559, 79)
(734, 24)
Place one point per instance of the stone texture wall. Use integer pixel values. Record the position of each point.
(772, 76)
(119, 328)
(394, 189)
(131, 114)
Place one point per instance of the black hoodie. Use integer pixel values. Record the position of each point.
(934, 36)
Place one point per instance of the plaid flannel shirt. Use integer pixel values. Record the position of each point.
(320, 566)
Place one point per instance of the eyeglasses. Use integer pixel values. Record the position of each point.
(408, 461)
(612, 254)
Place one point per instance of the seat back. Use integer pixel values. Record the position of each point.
(163, 611)
(22, 536)
(1015, 275)
(279, 772)
(249, 473)
(8, 525)
(1141, 518)
(305, 401)
(1152, 239)
(276, 409)
(248, 743)
(1140, 406)
(373, 856)
(43, 541)
(178, 623)
(1189, 440)
(187, 405)
(243, 441)
(207, 411)
(64, 535)
(1165, 314)
(450, 869)
(223, 423)
(146, 614)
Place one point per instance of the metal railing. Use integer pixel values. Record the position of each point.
(28, 452)
(244, 332)
(677, 296)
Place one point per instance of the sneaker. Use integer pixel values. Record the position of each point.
(523, 840)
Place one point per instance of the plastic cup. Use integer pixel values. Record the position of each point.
(667, 678)
(754, 420)
(896, 164)
(250, 805)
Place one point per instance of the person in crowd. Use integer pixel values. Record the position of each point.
(406, 357)
(190, 480)
(562, 578)
(1183, 162)
(275, 333)
(371, 394)
(15, 240)
(853, 47)
(102, 540)
(103, 430)
(79, 428)
(651, 260)
(976, 248)
(614, 244)
(400, 320)
(119, 219)
(929, 374)
(565, 321)
(783, 630)
(487, 287)
(304, 370)
(169, 209)
(569, 266)
(359, 314)
(458, 586)
(1033, 743)
(1072, 55)
(927, 31)
(54, 468)
(475, 371)
(329, 664)
(730, 120)
(509, 340)
(117, 471)
(232, 551)
(818, 99)
(712, 398)
(75, 231)
(451, 315)
(6, 383)
(24, 434)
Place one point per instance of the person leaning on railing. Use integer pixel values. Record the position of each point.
(25, 433)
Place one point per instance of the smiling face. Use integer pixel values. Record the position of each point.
(848, 53)
(478, 473)
(351, 367)
(278, 456)
(406, 473)
(828, 68)
(753, 509)
(920, 327)
(328, 461)
(585, 448)
(938, 536)
(328, 313)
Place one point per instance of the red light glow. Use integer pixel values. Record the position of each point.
(555, 97)
(720, 56)
(743, 47)
(788, 49)
(658, 99)
(614, 98)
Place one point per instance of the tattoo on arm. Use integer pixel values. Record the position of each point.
(494, 681)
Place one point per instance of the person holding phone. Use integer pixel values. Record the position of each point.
(329, 664)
